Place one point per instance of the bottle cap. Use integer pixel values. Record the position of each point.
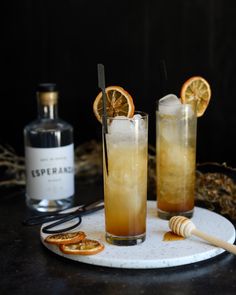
(47, 87)
(47, 93)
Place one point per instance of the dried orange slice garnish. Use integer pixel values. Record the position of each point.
(84, 247)
(196, 89)
(65, 238)
(119, 103)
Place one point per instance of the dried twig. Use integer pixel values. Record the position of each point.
(216, 190)
(12, 167)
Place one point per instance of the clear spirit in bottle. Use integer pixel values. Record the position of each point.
(49, 155)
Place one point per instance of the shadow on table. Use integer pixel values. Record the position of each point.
(198, 277)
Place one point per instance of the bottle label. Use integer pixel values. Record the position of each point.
(50, 172)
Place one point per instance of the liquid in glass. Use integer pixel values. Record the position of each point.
(125, 182)
(176, 160)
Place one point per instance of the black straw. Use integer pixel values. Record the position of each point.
(163, 77)
(101, 85)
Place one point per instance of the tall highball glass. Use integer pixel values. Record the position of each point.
(125, 179)
(175, 159)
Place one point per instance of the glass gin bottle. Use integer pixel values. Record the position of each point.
(49, 155)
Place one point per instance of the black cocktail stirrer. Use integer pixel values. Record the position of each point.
(163, 77)
(101, 85)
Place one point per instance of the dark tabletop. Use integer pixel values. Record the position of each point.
(27, 267)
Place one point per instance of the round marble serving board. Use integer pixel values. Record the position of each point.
(154, 252)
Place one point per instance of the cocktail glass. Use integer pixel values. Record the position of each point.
(175, 157)
(125, 179)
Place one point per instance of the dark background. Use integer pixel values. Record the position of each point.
(63, 40)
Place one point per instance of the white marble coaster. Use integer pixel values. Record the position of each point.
(154, 252)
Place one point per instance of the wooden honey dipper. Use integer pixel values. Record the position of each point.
(184, 227)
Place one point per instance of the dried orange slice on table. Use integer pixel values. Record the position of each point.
(196, 88)
(65, 238)
(84, 247)
(119, 103)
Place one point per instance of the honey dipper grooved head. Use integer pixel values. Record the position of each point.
(181, 226)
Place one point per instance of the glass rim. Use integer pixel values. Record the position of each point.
(141, 113)
(183, 106)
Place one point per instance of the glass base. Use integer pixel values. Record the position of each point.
(125, 241)
(49, 205)
(167, 215)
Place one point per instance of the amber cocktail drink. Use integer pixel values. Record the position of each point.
(125, 179)
(175, 157)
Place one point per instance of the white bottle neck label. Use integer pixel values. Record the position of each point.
(50, 172)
